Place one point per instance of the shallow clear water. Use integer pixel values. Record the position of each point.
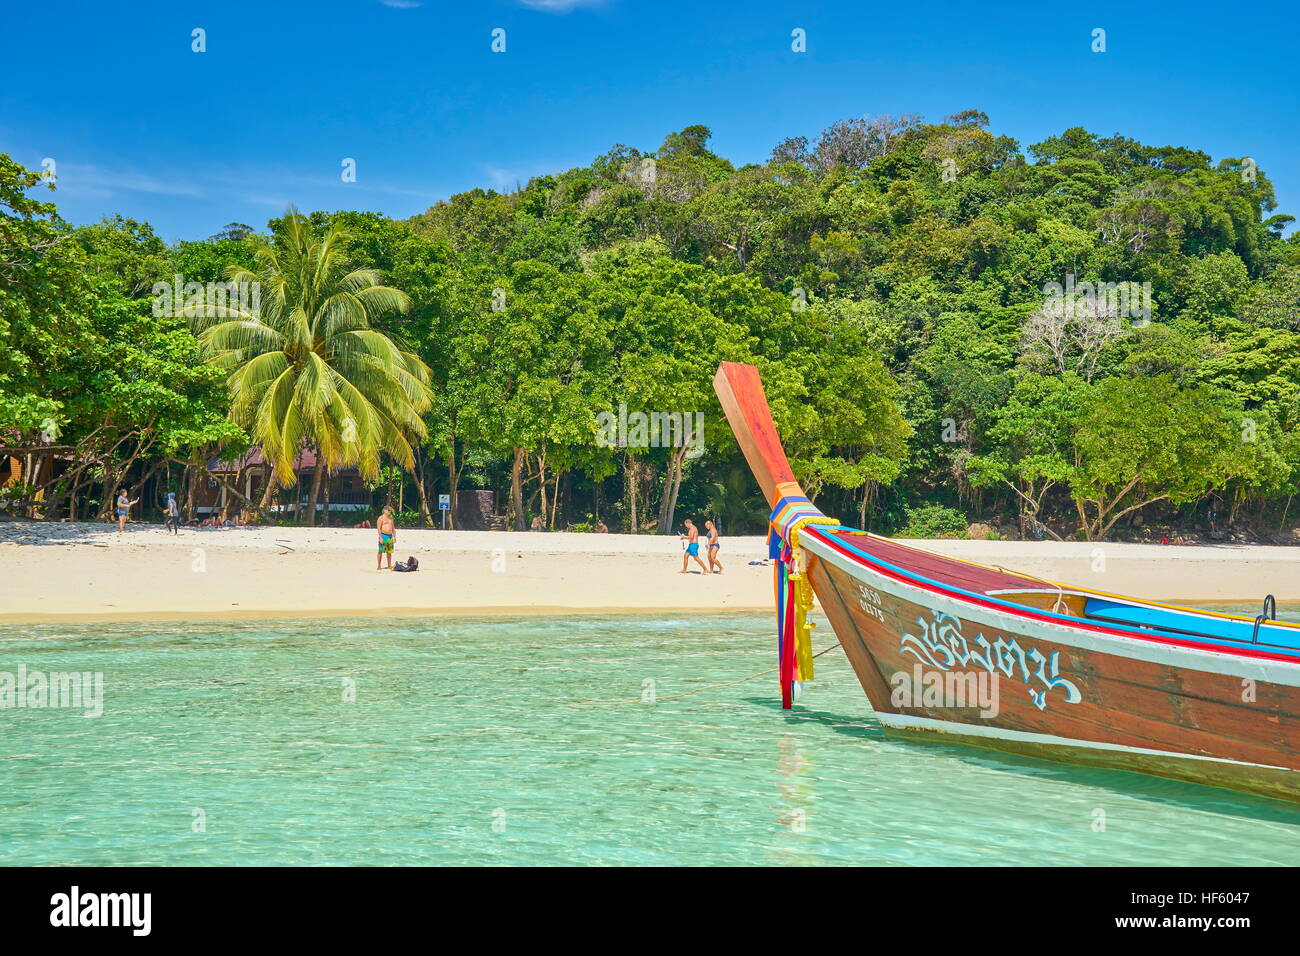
(470, 742)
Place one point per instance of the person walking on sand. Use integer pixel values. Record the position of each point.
(692, 539)
(714, 547)
(172, 514)
(387, 537)
(123, 509)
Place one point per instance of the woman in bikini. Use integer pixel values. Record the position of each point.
(711, 531)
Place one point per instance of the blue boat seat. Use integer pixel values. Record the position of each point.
(1207, 627)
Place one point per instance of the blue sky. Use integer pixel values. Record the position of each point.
(138, 124)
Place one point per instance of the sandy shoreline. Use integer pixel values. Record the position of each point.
(86, 572)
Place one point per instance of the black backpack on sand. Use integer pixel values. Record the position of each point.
(410, 564)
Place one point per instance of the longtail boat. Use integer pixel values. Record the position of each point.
(1072, 674)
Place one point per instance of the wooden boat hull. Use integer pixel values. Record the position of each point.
(953, 651)
(1195, 715)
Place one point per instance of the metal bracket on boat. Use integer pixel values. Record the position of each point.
(1270, 614)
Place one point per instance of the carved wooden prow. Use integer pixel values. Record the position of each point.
(740, 390)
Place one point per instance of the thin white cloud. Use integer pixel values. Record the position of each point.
(264, 185)
(275, 202)
(502, 178)
(81, 179)
(560, 6)
(505, 180)
(401, 4)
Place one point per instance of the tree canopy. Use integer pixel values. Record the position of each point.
(1086, 336)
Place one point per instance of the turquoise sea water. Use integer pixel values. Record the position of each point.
(470, 742)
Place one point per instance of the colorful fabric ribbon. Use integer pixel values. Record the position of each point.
(793, 512)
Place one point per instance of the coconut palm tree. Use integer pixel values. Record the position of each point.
(307, 370)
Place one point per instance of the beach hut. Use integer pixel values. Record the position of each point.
(341, 490)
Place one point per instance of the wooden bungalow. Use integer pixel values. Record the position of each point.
(343, 488)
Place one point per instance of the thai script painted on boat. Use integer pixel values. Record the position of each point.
(941, 644)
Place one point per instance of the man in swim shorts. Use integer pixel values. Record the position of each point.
(692, 539)
(387, 538)
(711, 531)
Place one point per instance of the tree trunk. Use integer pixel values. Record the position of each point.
(672, 484)
(267, 491)
(233, 491)
(149, 476)
(629, 481)
(317, 472)
(868, 493)
(517, 490)
(555, 497)
(325, 515)
(418, 474)
(541, 487)
(453, 479)
(190, 482)
(666, 500)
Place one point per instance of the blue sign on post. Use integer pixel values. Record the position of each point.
(444, 502)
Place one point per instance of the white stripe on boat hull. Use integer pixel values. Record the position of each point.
(908, 722)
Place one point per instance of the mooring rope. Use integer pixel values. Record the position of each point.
(639, 700)
(1060, 607)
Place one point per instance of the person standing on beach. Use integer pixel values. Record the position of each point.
(692, 539)
(715, 541)
(123, 509)
(387, 537)
(172, 514)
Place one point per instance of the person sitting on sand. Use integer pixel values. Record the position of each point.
(387, 537)
(123, 509)
(692, 539)
(714, 547)
(364, 523)
(538, 524)
(602, 528)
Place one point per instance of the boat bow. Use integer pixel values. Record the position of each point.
(1077, 675)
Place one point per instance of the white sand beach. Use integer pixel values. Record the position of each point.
(69, 572)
